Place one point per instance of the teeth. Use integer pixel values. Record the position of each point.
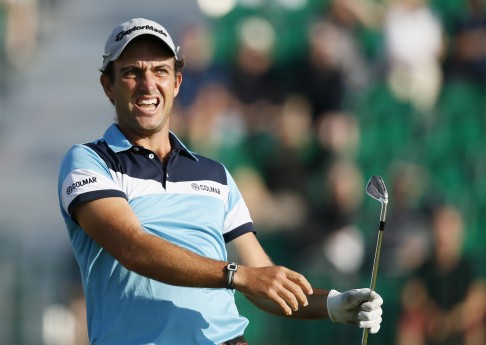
(147, 101)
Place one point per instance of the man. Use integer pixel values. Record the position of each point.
(162, 235)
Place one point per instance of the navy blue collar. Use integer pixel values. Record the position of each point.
(118, 142)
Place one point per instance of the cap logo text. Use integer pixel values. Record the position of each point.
(122, 34)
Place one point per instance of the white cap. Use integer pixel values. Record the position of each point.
(127, 31)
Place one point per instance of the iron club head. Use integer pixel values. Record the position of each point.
(377, 190)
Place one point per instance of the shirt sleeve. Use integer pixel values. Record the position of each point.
(83, 177)
(237, 218)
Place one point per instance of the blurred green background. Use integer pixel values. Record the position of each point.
(302, 100)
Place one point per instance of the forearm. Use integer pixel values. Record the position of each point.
(317, 307)
(172, 264)
(360, 307)
(112, 224)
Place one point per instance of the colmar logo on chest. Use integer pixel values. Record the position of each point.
(203, 187)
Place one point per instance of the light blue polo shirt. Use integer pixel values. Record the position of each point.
(193, 202)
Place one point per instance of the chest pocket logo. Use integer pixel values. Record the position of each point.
(205, 188)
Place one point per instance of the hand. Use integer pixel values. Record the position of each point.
(283, 288)
(360, 307)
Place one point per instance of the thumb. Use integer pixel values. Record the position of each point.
(357, 296)
(373, 303)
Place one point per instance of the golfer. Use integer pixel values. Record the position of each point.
(162, 235)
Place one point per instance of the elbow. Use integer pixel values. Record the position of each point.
(129, 263)
(132, 254)
(132, 262)
(131, 259)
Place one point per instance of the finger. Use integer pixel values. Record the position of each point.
(302, 282)
(373, 325)
(375, 329)
(375, 302)
(289, 298)
(276, 295)
(283, 305)
(370, 315)
(357, 296)
(353, 299)
(297, 293)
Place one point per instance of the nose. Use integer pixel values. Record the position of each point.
(147, 81)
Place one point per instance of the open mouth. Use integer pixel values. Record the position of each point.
(148, 104)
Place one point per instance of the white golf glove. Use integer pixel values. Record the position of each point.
(360, 307)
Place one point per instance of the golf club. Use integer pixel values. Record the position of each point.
(377, 190)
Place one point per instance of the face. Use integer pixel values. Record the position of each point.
(143, 88)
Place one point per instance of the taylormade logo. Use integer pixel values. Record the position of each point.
(135, 28)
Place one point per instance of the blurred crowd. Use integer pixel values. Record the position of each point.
(303, 109)
(393, 88)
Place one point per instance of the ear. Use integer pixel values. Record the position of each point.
(107, 87)
(178, 82)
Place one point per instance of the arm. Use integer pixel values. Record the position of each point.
(258, 278)
(359, 306)
(112, 224)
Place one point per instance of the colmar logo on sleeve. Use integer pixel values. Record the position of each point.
(81, 183)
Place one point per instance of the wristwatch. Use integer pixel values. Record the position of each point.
(232, 268)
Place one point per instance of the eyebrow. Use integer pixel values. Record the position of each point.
(158, 65)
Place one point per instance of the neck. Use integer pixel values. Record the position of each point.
(158, 142)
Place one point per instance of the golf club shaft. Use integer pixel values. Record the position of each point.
(376, 260)
(374, 274)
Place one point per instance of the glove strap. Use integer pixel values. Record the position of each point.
(330, 305)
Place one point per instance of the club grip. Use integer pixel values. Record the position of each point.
(382, 225)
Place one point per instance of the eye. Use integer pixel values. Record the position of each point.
(162, 71)
(129, 72)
